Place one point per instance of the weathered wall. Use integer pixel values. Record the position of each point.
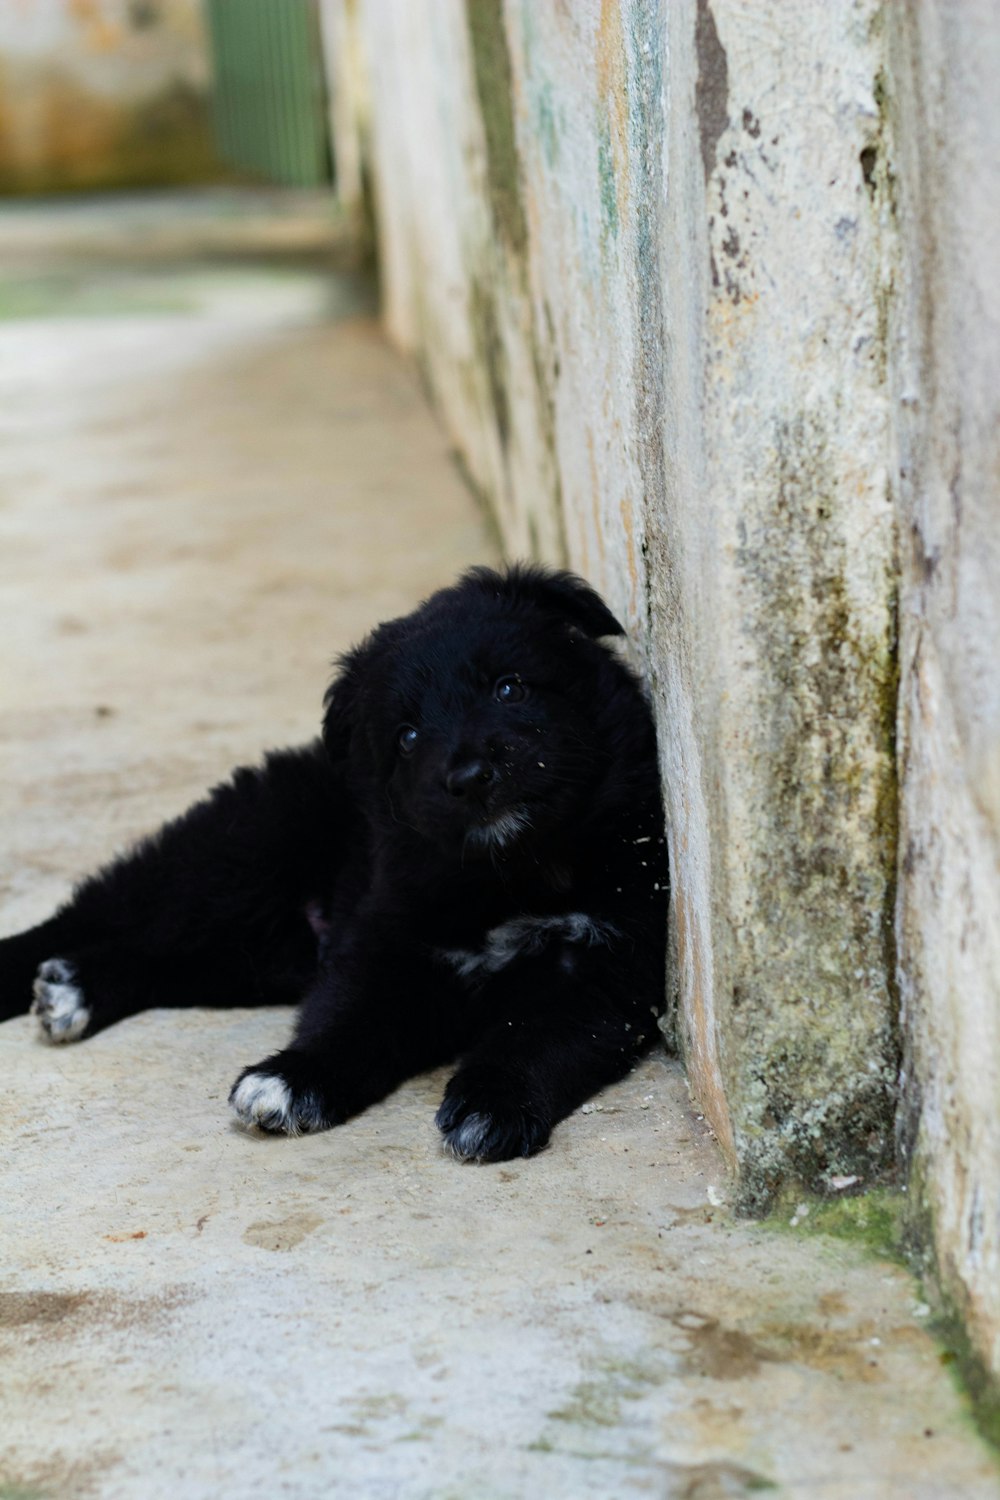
(783, 514)
(942, 106)
(102, 93)
(651, 256)
(454, 241)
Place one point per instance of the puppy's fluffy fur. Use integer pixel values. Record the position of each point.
(469, 864)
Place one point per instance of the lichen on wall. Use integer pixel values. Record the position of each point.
(812, 976)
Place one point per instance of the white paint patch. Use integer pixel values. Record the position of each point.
(526, 935)
(58, 1001)
(266, 1101)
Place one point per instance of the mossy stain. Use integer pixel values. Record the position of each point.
(816, 1008)
(875, 1222)
(494, 89)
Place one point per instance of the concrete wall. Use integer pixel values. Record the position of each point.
(944, 62)
(103, 93)
(680, 304)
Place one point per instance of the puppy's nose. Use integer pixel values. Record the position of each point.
(471, 776)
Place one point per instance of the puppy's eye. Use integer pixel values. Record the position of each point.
(407, 738)
(509, 690)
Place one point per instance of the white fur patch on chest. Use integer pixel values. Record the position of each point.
(522, 936)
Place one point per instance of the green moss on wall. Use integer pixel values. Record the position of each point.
(491, 64)
(969, 1372)
(490, 354)
(812, 997)
(874, 1222)
(606, 173)
(946, 1294)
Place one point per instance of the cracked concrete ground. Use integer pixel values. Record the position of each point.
(213, 476)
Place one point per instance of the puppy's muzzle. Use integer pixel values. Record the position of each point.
(471, 779)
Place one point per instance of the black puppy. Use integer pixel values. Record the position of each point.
(470, 863)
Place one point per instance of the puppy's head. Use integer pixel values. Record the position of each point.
(487, 717)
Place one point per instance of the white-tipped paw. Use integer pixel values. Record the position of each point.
(58, 1001)
(268, 1102)
(468, 1141)
(497, 1134)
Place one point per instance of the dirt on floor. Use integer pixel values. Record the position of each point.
(215, 475)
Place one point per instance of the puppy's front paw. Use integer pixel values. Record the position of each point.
(479, 1126)
(58, 1001)
(278, 1096)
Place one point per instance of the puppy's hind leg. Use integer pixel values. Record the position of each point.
(210, 910)
(58, 1000)
(21, 955)
(80, 993)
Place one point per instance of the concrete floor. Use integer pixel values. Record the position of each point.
(213, 476)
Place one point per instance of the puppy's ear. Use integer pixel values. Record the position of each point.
(559, 593)
(340, 705)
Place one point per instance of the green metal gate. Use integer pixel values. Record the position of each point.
(269, 89)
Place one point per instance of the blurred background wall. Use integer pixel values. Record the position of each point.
(104, 93)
